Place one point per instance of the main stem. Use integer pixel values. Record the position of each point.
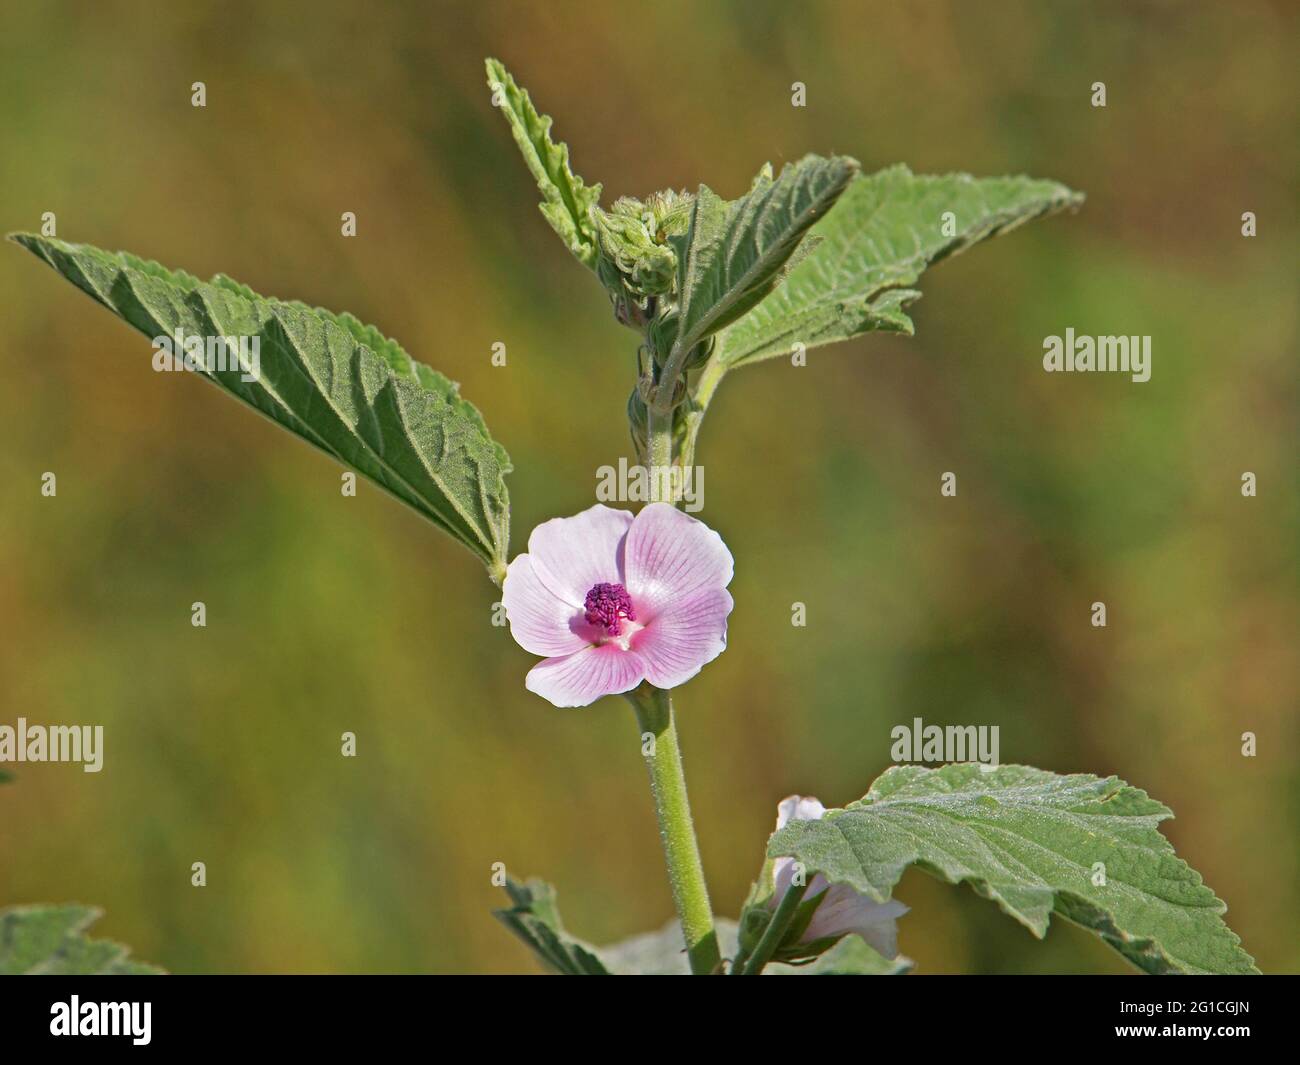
(659, 454)
(654, 714)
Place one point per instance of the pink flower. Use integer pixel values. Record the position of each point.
(613, 599)
(842, 910)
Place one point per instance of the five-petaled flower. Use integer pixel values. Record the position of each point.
(613, 599)
(842, 910)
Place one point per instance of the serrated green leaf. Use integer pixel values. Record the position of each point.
(566, 200)
(338, 384)
(50, 940)
(535, 918)
(663, 953)
(735, 253)
(875, 243)
(1030, 840)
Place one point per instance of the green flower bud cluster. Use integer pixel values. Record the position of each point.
(635, 237)
(639, 243)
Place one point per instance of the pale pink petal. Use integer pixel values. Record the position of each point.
(581, 678)
(843, 911)
(540, 621)
(571, 555)
(671, 557)
(683, 636)
(795, 808)
(783, 877)
(798, 808)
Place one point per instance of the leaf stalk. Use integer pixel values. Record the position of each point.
(773, 933)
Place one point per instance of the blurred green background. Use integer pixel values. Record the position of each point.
(328, 614)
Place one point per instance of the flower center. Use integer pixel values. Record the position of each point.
(608, 605)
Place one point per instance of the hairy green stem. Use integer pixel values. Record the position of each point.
(773, 934)
(654, 713)
(660, 454)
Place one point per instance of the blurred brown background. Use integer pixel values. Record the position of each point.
(328, 614)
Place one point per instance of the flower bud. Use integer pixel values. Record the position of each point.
(635, 242)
